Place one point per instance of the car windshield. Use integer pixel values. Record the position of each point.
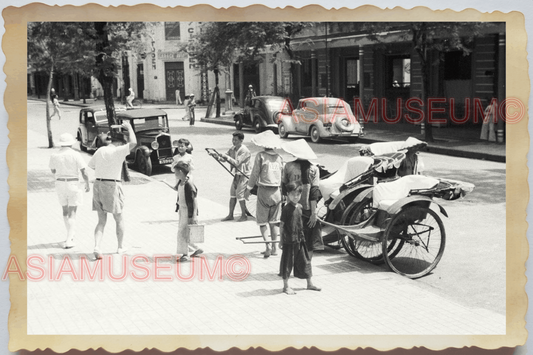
(148, 123)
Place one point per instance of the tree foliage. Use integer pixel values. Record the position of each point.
(88, 48)
(219, 44)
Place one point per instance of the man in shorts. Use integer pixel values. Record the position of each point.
(66, 165)
(266, 174)
(107, 191)
(239, 158)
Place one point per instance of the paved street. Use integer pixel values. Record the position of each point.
(357, 298)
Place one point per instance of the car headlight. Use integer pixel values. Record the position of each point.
(154, 145)
(345, 122)
(175, 143)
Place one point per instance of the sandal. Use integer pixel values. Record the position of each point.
(289, 291)
(314, 288)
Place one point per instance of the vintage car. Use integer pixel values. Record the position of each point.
(154, 144)
(320, 117)
(262, 114)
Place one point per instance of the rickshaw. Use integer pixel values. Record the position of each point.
(392, 223)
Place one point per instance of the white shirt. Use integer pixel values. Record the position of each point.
(107, 161)
(67, 163)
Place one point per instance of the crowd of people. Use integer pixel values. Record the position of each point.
(269, 177)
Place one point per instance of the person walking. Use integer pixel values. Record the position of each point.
(239, 158)
(191, 105)
(108, 196)
(187, 207)
(294, 247)
(55, 103)
(266, 174)
(129, 99)
(66, 165)
(306, 173)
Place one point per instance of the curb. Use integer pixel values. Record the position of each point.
(430, 149)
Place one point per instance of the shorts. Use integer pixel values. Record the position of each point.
(69, 193)
(268, 205)
(108, 197)
(238, 186)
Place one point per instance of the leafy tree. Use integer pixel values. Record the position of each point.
(427, 37)
(83, 47)
(55, 47)
(212, 49)
(219, 44)
(110, 41)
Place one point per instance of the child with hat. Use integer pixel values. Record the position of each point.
(188, 210)
(266, 174)
(303, 171)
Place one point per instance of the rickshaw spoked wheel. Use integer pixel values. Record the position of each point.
(422, 238)
(365, 249)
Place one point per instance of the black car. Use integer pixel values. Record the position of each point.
(262, 114)
(154, 143)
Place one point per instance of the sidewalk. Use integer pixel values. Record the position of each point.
(356, 298)
(453, 141)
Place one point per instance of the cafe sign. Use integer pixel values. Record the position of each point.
(171, 55)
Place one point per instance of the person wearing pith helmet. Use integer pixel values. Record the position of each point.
(66, 165)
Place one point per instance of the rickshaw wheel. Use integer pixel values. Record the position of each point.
(364, 249)
(420, 232)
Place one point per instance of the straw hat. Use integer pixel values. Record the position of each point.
(300, 149)
(66, 140)
(267, 139)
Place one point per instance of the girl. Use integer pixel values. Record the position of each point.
(184, 154)
(188, 211)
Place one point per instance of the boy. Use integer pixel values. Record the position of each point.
(295, 254)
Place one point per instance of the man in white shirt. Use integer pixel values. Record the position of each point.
(130, 98)
(107, 192)
(66, 165)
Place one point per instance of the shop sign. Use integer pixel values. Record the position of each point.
(171, 55)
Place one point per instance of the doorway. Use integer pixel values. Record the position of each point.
(174, 80)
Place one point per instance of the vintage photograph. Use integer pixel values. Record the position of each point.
(267, 178)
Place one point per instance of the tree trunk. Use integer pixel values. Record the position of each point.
(48, 119)
(217, 97)
(105, 75)
(106, 70)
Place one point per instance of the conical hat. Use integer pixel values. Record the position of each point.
(300, 149)
(267, 139)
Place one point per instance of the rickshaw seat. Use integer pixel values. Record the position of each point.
(387, 193)
(351, 168)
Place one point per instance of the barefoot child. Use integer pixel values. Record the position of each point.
(188, 211)
(295, 254)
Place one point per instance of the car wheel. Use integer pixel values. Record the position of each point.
(282, 130)
(257, 125)
(315, 135)
(238, 123)
(144, 164)
(82, 147)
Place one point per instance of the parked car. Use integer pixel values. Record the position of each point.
(154, 143)
(262, 114)
(320, 117)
